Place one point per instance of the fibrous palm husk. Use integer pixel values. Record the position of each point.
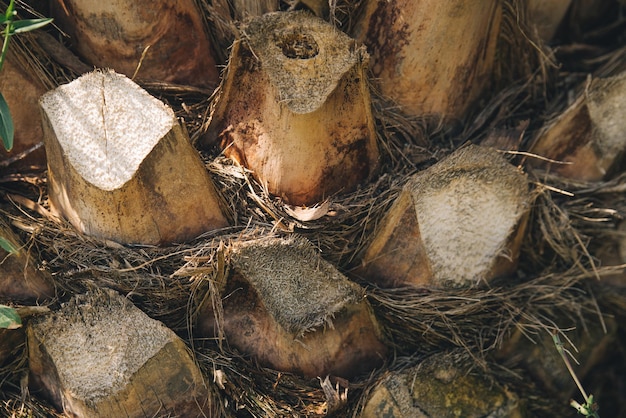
(442, 385)
(474, 319)
(554, 275)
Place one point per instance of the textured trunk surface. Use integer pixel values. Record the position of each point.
(439, 387)
(100, 356)
(369, 265)
(115, 34)
(433, 58)
(295, 108)
(456, 224)
(587, 140)
(295, 312)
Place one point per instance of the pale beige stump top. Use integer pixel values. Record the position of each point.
(100, 356)
(293, 311)
(120, 165)
(456, 224)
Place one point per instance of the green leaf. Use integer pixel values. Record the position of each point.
(6, 124)
(7, 246)
(9, 318)
(26, 25)
(10, 10)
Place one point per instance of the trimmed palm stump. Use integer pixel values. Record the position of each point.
(20, 279)
(294, 108)
(293, 311)
(454, 224)
(440, 387)
(433, 58)
(121, 167)
(100, 356)
(588, 137)
(160, 41)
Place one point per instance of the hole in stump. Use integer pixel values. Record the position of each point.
(298, 45)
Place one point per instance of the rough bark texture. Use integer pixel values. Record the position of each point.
(433, 58)
(295, 312)
(115, 34)
(440, 388)
(22, 89)
(121, 167)
(455, 224)
(587, 139)
(295, 109)
(100, 356)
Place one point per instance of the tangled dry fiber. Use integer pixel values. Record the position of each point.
(559, 283)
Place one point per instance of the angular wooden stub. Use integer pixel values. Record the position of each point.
(295, 108)
(22, 89)
(115, 34)
(121, 167)
(438, 387)
(434, 58)
(295, 312)
(100, 356)
(589, 135)
(457, 223)
(20, 280)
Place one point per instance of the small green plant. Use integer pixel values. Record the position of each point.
(9, 318)
(589, 408)
(12, 27)
(7, 246)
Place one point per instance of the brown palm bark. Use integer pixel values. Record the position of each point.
(294, 108)
(440, 387)
(546, 16)
(586, 141)
(433, 58)
(166, 37)
(20, 279)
